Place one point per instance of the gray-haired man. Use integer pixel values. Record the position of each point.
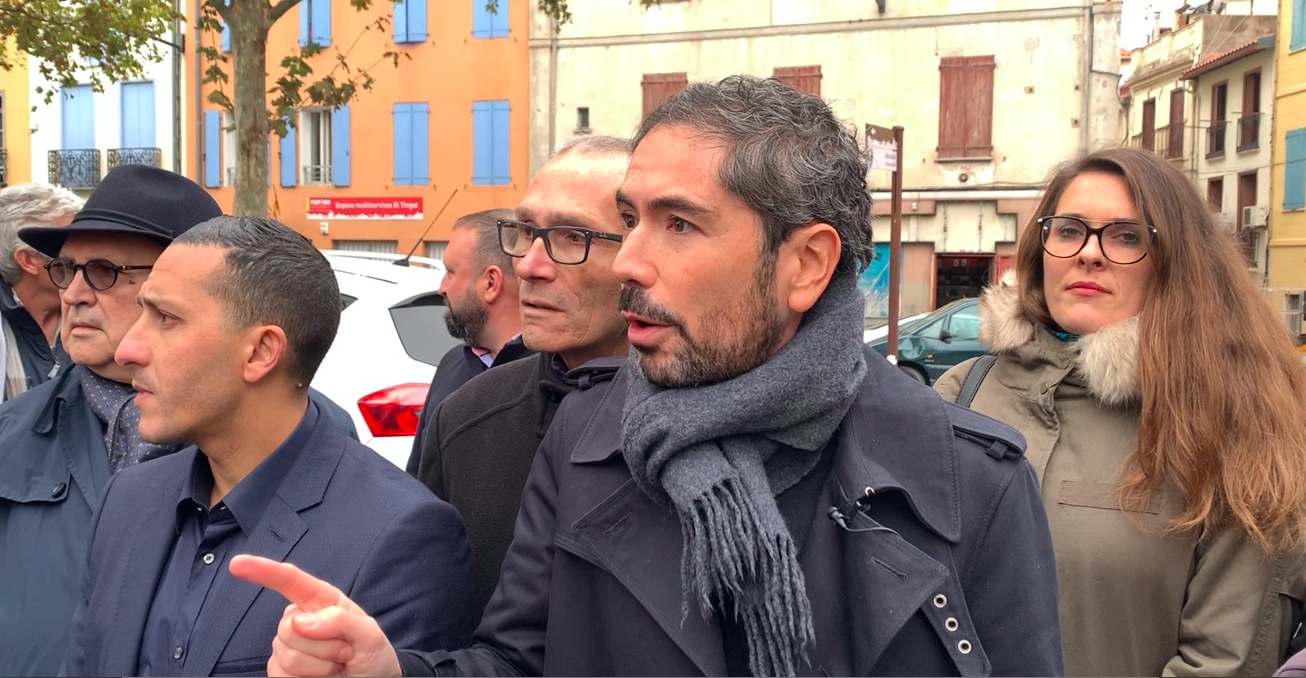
(29, 302)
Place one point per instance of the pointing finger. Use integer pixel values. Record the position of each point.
(303, 590)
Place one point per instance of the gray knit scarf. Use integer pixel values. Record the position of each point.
(711, 453)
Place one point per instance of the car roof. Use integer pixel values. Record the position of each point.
(377, 276)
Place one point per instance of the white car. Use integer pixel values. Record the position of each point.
(392, 335)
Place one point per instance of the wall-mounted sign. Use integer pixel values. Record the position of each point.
(364, 208)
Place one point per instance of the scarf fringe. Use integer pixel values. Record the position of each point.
(728, 557)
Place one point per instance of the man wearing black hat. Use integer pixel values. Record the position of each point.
(61, 441)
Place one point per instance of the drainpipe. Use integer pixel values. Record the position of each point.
(1086, 96)
(553, 85)
(199, 95)
(179, 39)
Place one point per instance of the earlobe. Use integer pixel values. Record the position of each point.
(815, 252)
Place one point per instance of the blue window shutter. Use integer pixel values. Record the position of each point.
(78, 117)
(482, 148)
(416, 20)
(212, 142)
(138, 115)
(340, 146)
(421, 144)
(226, 32)
(305, 8)
(1298, 25)
(321, 28)
(1294, 170)
(289, 162)
(403, 129)
(502, 174)
(499, 21)
(400, 20)
(482, 20)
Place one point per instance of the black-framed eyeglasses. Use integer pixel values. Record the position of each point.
(99, 274)
(567, 245)
(1121, 242)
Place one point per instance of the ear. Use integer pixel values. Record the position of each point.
(805, 264)
(491, 284)
(266, 350)
(30, 261)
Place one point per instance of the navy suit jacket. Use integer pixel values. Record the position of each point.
(342, 513)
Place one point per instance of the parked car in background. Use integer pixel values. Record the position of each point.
(930, 346)
(392, 335)
(881, 332)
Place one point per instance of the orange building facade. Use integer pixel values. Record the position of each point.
(451, 120)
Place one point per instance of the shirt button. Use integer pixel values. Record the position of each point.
(177, 653)
(208, 558)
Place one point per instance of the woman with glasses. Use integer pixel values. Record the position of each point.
(1163, 404)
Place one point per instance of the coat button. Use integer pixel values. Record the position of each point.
(963, 647)
(59, 490)
(940, 600)
(208, 558)
(177, 653)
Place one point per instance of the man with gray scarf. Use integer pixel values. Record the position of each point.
(755, 492)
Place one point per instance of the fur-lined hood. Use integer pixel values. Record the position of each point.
(1106, 360)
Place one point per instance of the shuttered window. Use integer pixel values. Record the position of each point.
(411, 137)
(409, 21)
(966, 107)
(806, 79)
(1294, 170)
(658, 87)
(375, 246)
(315, 22)
(486, 24)
(490, 143)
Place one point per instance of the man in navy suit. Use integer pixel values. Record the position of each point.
(237, 315)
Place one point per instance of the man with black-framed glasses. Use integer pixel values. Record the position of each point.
(480, 442)
(61, 441)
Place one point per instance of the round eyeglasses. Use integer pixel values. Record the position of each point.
(99, 274)
(567, 245)
(1121, 242)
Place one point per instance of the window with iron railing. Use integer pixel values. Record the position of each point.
(315, 145)
(75, 168)
(1215, 138)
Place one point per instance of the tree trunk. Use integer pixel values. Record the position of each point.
(249, 25)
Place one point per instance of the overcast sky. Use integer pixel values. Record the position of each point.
(1135, 23)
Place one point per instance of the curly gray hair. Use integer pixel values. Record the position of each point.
(23, 205)
(787, 157)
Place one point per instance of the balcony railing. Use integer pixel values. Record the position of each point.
(1249, 132)
(1215, 139)
(135, 156)
(78, 168)
(1171, 142)
(317, 174)
(4, 167)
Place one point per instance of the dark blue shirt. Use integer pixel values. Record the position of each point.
(207, 538)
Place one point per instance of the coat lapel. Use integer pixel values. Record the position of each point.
(637, 541)
(277, 533)
(151, 546)
(278, 530)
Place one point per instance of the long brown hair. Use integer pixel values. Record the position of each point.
(1223, 392)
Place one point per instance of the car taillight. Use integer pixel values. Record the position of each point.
(394, 411)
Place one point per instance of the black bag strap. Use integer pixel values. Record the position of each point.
(978, 370)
